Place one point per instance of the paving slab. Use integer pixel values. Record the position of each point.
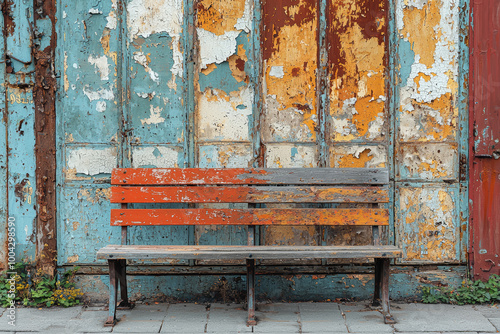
(185, 318)
(142, 318)
(362, 318)
(227, 318)
(34, 319)
(439, 318)
(277, 318)
(89, 322)
(321, 318)
(489, 311)
(495, 322)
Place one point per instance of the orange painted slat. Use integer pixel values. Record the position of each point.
(220, 176)
(144, 217)
(255, 194)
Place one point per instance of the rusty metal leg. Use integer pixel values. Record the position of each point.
(251, 292)
(113, 292)
(376, 293)
(385, 273)
(125, 304)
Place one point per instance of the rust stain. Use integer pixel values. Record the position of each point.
(8, 17)
(289, 45)
(357, 63)
(237, 65)
(44, 97)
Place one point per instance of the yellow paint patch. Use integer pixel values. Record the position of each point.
(72, 259)
(210, 68)
(419, 25)
(218, 16)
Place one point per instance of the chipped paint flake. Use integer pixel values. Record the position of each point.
(101, 106)
(158, 156)
(214, 48)
(291, 156)
(142, 59)
(358, 156)
(104, 94)
(90, 161)
(277, 72)
(225, 116)
(154, 117)
(102, 65)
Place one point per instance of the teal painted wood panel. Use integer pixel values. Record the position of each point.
(3, 161)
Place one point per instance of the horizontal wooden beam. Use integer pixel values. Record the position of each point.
(215, 176)
(136, 252)
(255, 194)
(145, 217)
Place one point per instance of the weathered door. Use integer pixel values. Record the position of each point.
(485, 142)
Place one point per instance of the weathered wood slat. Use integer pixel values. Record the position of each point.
(287, 176)
(144, 217)
(134, 252)
(245, 194)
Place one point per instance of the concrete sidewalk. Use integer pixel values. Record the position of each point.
(357, 317)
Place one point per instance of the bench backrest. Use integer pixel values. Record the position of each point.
(252, 186)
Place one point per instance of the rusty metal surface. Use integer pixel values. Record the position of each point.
(44, 96)
(484, 146)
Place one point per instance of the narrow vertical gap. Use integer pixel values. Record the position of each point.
(5, 119)
(191, 56)
(322, 100)
(124, 81)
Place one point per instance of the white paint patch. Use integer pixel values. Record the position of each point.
(291, 156)
(101, 106)
(157, 156)
(445, 65)
(154, 117)
(245, 22)
(225, 156)
(101, 94)
(101, 64)
(95, 11)
(141, 59)
(375, 128)
(92, 161)
(215, 48)
(428, 161)
(220, 119)
(64, 14)
(147, 17)
(277, 72)
(112, 22)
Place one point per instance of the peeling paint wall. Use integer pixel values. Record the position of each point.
(243, 83)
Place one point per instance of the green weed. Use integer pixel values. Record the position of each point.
(34, 288)
(470, 292)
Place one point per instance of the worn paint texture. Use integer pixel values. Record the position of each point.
(218, 83)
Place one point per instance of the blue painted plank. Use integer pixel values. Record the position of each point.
(3, 159)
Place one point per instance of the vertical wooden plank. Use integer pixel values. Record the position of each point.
(44, 94)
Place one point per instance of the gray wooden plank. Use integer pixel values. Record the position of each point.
(135, 252)
(286, 176)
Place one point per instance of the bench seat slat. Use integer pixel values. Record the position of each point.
(134, 252)
(144, 217)
(245, 194)
(194, 176)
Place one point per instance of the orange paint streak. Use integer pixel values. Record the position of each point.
(301, 217)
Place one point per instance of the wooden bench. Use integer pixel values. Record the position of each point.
(252, 186)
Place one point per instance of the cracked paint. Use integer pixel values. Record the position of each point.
(357, 63)
(157, 156)
(92, 161)
(357, 156)
(427, 227)
(289, 55)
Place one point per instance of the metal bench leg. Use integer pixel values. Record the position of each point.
(385, 273)
(376, 293)
(113, 292)
(125, 304)
(251, 292)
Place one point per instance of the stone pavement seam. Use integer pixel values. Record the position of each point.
(163, 321)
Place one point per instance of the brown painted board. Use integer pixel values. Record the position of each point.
(286, 176)
(245, 252)
(145, 217)
(244, 194)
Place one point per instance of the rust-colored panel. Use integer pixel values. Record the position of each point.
(357, 59)
(289, 54)
(484, 188)
(44, 97)
(237, 194)
(300, 217)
